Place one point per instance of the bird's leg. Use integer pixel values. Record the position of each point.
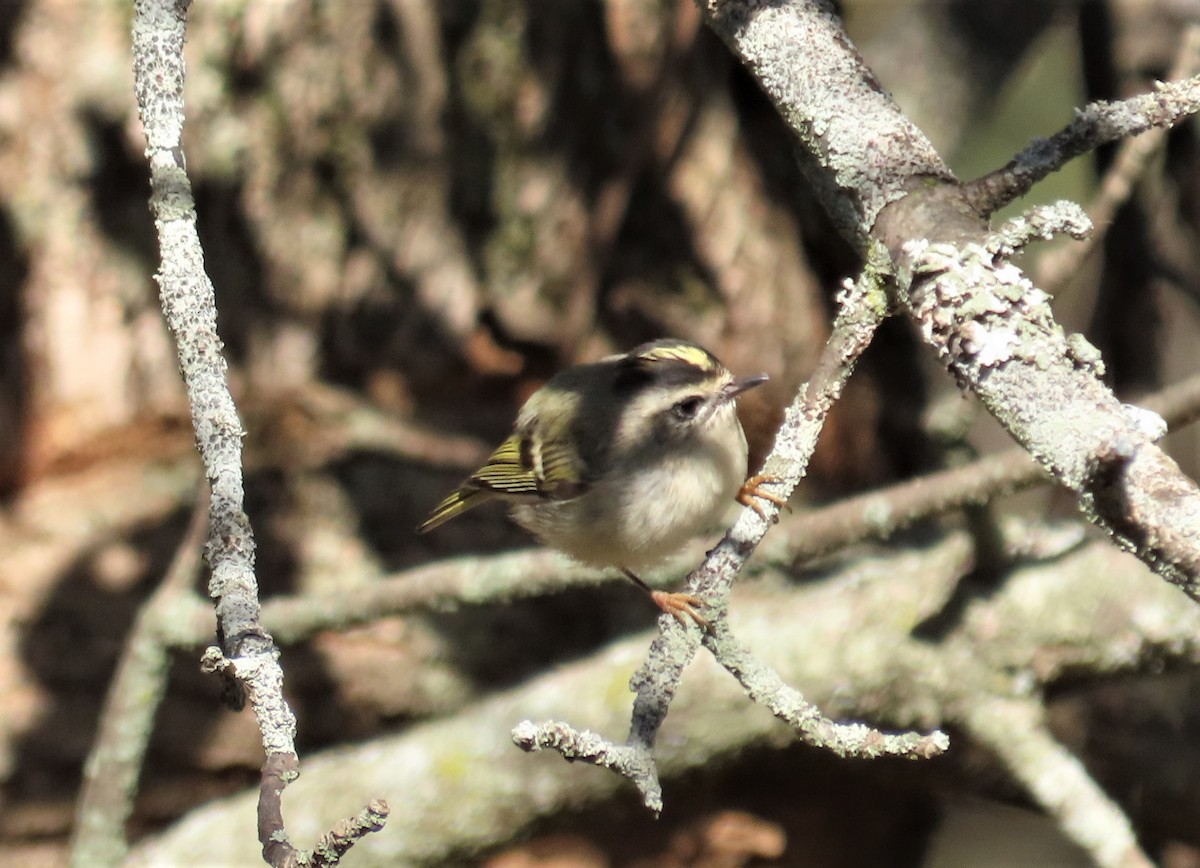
(678, 606)
(752, 488)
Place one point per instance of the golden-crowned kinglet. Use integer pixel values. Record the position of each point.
(619, 462)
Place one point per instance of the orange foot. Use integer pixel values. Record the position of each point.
(680, 607)
(752, 488)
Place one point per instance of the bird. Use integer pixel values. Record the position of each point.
(619, 462)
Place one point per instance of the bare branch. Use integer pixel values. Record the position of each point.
(764, 686)
(864, 147)
(658, 679)
(247, 653)
(1040, 223)
(629, 761)
(1095, 125)
(114, 763)
(1016, 730)
(1058, 266)
(332, 846)
(467, 760)
(278, 771)
(994, 331)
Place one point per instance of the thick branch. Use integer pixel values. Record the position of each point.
(864, 148)
(994, 331)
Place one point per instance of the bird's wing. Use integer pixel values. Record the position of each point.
(510, 470)
(523, 466)
(538, 463)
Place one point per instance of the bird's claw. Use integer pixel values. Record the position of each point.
(681, 607)
(752, 488)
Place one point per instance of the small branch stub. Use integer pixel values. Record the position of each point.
(630, 761)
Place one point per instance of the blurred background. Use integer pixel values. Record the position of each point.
(414, 213)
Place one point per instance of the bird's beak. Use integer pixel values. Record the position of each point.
(743, 384)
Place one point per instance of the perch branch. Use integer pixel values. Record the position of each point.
(861, 309)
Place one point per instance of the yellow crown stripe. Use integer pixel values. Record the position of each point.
(687, 353)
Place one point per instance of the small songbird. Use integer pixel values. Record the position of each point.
(619, 462)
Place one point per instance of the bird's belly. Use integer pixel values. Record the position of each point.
(659, 511)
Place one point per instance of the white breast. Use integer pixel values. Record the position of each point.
(660, 508)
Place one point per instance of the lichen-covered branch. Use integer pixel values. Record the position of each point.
(1120, 180)
(764, 685)
(847, 637)
(863, 147)
(658, 679)
(247, 654)
(994, 330)
(1095, 125)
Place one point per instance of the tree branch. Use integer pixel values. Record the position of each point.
(1058, 266)
(861, 309)
(1097, 124)
(863, 148)
(847, 636)
(247, 655)
(114, 763)
(991, 327)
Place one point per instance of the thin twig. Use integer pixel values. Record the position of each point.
(1097, 124)
(764, 685)
(1058, 266)
(656, 682)
(114, 763)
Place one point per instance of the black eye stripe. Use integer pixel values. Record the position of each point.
(635, 374)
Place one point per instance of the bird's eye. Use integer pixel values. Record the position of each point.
(688, 407)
